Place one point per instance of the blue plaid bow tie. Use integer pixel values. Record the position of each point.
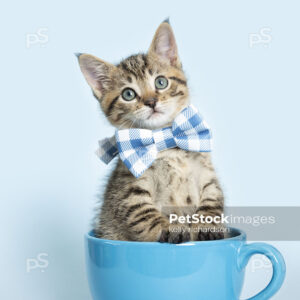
(138, 148)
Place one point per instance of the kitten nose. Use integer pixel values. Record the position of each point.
(151, 102)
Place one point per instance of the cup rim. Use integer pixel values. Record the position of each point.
(240, 236)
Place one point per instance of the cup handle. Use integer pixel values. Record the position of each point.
(245, 253)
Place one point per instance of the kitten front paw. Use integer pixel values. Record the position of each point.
(209, 232)
(175, 234)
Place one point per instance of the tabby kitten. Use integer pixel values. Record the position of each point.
(148, 91)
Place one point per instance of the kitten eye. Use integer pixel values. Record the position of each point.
(161, 82)
(128, 94)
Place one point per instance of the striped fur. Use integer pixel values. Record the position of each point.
(133, 209)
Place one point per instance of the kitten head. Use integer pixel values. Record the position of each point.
(143, 90)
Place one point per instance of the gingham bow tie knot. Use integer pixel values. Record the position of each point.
(138, 148)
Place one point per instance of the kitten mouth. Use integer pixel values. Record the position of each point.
(155, 113)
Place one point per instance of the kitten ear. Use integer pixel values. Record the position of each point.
(164, 44)
(96, 72)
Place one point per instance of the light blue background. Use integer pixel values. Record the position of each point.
(50, 122)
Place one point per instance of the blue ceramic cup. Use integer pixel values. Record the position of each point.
(210, 270)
